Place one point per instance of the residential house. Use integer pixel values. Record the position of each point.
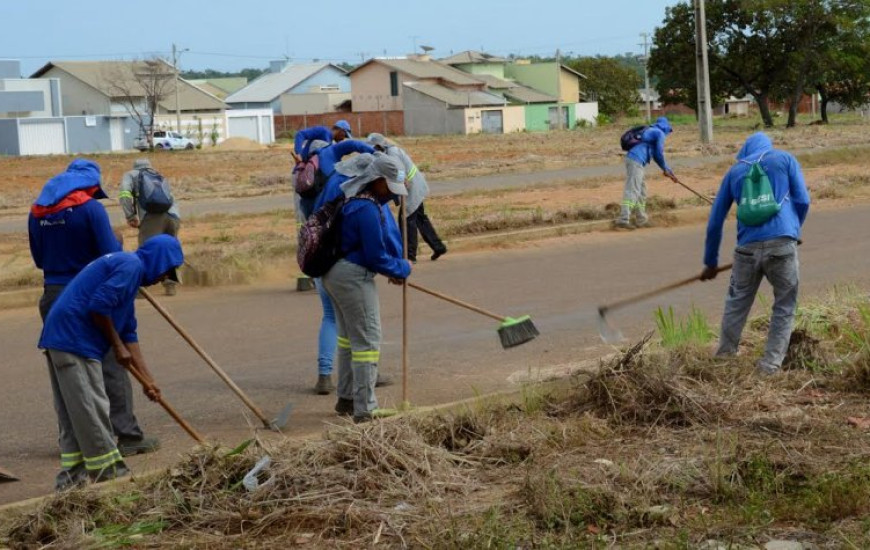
(295, 89)
(220, 87)
(30, 114)
(550, 92)
(433, 97)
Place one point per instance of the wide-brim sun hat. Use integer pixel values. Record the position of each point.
(366, 168)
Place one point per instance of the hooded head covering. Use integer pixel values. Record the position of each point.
(80, 175)
(755, 145)
(140, 164)
(343, 125)
(378, 140)
(663, 124)
(160, 255)
(366, 168)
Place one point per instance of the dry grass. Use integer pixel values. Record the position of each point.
(662, 446)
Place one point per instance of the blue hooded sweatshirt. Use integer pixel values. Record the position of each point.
(652, 145)
(369, 239)
(302, 140)
(63, 243)
(789, 189)
(107, 286)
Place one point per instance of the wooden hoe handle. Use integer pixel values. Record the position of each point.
(207, 358)
(657, 291)
(455, 301)
(167, 407)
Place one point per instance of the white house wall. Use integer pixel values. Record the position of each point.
(587, 111)
(42, 136)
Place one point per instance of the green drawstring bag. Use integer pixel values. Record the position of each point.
(757, 201)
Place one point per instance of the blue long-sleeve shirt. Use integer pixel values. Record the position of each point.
(63, 243)
(329, 157)
(367, 239)
(652, 145)
(106, 286)
(302, 140)
(789, 189)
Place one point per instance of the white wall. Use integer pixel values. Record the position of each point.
(586, 111)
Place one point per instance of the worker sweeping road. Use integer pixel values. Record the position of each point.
(418, 190)
(95, 315)
(368, 246)
(647, 143)
(68, 228)
(773, 202)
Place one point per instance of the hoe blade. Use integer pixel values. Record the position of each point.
(609, 334)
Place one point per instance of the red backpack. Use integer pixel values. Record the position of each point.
(306, 177)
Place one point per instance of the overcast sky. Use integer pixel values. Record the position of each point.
(233, 34)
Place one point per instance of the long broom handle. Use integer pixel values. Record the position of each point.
(657, 291)
(455, 301)
(167, 407)
(205, 356)
(404, 304)
(699, 195)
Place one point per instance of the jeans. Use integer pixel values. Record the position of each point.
(777, 261)
(327, 339)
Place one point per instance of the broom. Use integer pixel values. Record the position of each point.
(513, 330)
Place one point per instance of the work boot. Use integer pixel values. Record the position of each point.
(344, 407)
(115, 471)
(130, 447)
(623, 225)
(438, 253)
(324, 385)
(70, 479)
(384, 380)
(169, 289)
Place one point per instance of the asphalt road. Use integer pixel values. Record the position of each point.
(13, 222)
(264, 336)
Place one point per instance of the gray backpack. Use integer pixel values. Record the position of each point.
(155, 196)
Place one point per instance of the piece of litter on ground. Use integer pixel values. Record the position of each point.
(250, 480)
(861, 422)
(603, 462)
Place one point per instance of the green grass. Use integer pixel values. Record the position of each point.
(693, 330)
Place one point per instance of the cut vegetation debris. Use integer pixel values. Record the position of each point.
(660, 446)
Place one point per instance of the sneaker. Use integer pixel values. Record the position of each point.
(324, 385)
(766, 370)
(438, 253)
(623, 225)
(115, 471)
(344, 407)
(384, 380)
(642, 223)
(170, 289)
(130, 447)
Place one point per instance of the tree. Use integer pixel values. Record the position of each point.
(141, 87)
(843, 74)
(610, 82)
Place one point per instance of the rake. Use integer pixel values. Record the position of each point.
(612, 335)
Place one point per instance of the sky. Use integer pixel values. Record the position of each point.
(230, 35)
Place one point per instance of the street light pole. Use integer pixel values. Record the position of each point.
(648, 98)
(175, 54)
(702, 69)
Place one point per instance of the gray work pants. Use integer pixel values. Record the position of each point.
(158, 224)
(777, 261)
(82, 409)
(354, 294)
(634, 194)
(117, 381)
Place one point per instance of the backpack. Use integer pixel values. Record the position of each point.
(632, 137)
(308, 181)
(153, 191)
(757, 201)
(319, 244)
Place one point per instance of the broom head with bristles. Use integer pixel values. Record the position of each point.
(516, 331)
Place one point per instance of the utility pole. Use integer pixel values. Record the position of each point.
(559, 84)
(175, 55)
(646, 92)
(702, 69)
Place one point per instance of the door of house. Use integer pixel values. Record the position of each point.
(492, 122)
(557, 113)
(116, 132)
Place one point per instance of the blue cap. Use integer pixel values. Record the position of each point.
(343, 125)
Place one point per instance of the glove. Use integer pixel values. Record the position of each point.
(709, 273)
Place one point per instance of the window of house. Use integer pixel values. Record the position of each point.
(394, 83)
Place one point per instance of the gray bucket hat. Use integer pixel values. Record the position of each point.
(316, 145)
(366, 168)
(378, 140)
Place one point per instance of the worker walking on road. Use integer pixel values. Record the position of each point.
(650, 145)
(68, 228)
(368, 249)
(418, 190)
(773, 202)
(152, 212)
(95, 315)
